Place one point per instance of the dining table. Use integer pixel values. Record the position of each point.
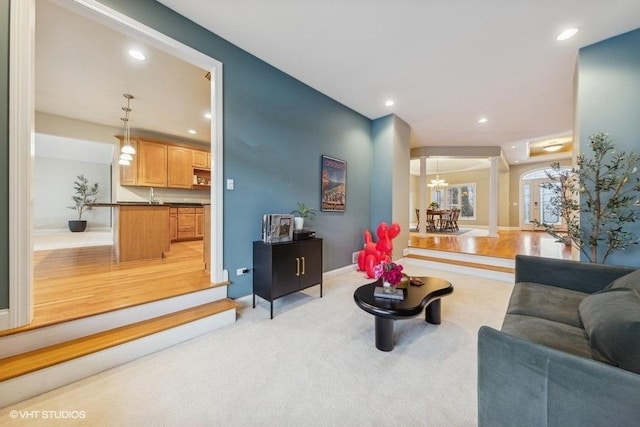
(442, 217)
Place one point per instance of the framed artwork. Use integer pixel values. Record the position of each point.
(277, 228)
(334, 184)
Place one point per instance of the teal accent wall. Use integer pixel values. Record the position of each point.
(609, 101)
(382, 133)
(4, 154)
(275, 131)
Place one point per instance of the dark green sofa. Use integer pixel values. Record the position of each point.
(568, 352)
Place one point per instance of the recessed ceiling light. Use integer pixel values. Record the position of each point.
(192, 132)
(136, 54)
(207, 115)
(513, 146)
(517, 161)
(389, 103)
(567, 34)
(483, 120)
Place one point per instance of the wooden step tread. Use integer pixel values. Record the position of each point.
(463, 263)
(25, 363)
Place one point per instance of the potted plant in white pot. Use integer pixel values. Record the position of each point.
(303, 212)
(85, 196)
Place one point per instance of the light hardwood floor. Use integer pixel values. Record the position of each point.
(507, 244)
(77, 282)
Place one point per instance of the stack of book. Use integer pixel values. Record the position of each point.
(380, 293)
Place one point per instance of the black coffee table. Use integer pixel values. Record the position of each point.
(416, 298)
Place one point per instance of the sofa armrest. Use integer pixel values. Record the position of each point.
(521, 383)
(574, 275)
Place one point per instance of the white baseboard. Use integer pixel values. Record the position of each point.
(27, 386)
(339, 271)
(4, 319)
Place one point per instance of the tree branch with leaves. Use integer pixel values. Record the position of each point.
(597, 199)
(85, 195)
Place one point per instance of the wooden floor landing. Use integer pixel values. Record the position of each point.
(78, 282)
(507, 244)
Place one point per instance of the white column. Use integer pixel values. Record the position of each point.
(422, 198)
(493, 197)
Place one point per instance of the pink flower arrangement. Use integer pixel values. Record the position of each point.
(389, 271)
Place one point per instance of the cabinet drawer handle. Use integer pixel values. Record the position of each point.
(297, 266)
(303, 265)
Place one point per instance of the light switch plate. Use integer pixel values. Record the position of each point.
(230, 184)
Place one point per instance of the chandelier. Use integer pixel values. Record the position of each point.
(438, 184)
(127, 151)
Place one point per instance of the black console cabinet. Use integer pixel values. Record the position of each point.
(280, 269)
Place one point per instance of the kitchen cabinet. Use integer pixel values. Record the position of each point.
(129, 173)
(179, 168)
(142, 232)
(203, 177)
(152, 163)
(165, 164)
(206, 243)
(201, 159)
(186, 223)
(280, 269)
(189, 223)
(200, 222)
(173, 223)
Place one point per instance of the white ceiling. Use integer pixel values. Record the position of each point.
(83, 70)
(445, 63)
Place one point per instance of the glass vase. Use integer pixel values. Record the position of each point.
(388, 288)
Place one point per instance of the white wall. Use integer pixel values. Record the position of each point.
(53, 189)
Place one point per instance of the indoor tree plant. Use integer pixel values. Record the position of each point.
(85, 195)
(303, 212)
(596, 200)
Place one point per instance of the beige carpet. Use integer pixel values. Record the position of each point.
(314, 364)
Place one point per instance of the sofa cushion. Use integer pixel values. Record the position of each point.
(630, 281)
(560, 336)
(612, 321)
(547, 302)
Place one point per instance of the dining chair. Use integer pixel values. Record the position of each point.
(431, 222)
(455, 214)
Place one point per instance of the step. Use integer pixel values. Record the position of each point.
(23, 340)
(102, 353)
(25, 363)
(494, 268)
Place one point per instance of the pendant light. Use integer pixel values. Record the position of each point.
(127, 148)
(438, 184)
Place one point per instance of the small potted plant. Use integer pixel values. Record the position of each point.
(85, 196)
(434, 206)
(303, 212)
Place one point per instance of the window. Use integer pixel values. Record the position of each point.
(461, 196)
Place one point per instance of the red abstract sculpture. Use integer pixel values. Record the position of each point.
(374, 253)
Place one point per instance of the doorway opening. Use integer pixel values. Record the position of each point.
(536, 201)
(21, 162)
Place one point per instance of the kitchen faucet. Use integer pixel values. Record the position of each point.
(151, 195)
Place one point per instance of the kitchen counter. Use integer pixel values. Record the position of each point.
(170, 204)
(141, 230)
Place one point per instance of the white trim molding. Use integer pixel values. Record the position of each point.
(4, 319)
(21, 138)
(21, 149)
(175, 48)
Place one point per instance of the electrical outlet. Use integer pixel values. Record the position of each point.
(354, 257)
